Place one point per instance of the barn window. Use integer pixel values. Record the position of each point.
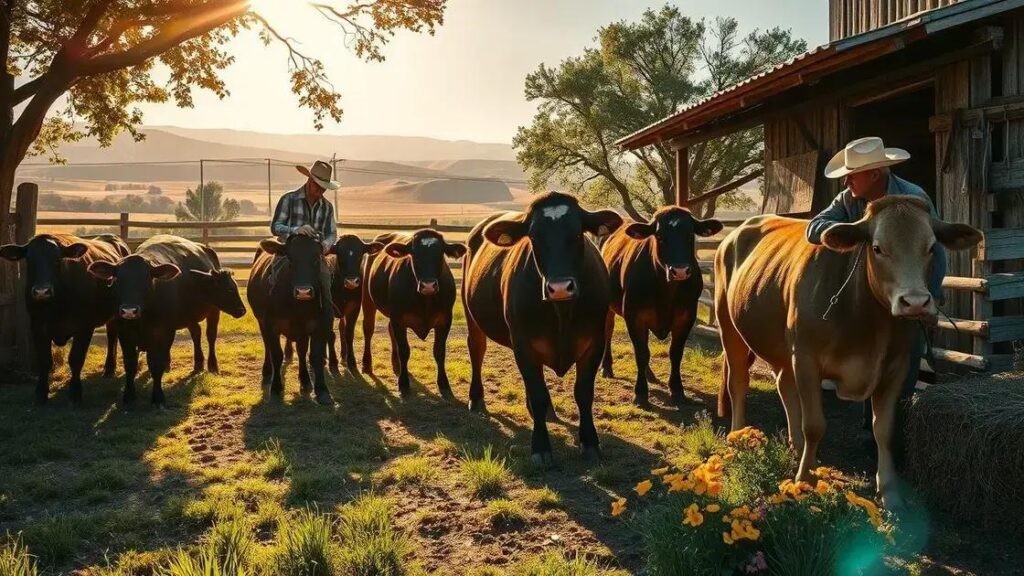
(996, 74)
(999, 142)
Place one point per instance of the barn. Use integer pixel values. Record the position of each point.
(940, 78)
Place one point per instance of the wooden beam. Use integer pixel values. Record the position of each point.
(1005, 286)
(706, 331)
(24, 230)
(724, 188)
(682, 176)
(972, 327)
(1005, 328)
(960, 358)
(1002, 244)
(962, 283)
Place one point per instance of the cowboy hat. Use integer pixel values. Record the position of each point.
(321, 173)
(864, 154)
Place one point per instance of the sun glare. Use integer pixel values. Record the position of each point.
(278, 12)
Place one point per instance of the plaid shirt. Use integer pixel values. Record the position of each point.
(293, 212)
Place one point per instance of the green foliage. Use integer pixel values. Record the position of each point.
(55, 539)
(306, 545)
(409, 471)
(275, 461)
(546, 499)
(203, 563)
(486, 475)
(231, 543)
(207, 204)
(638, 73)
(15, 559)
(555, 564)
(505, 514)
(755, 473)
(371, 546)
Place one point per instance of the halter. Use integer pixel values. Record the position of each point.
(835, 297)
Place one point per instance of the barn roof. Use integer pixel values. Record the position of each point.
(813, 65)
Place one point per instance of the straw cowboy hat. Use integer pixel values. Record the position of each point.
(321, 173)
(864, 154)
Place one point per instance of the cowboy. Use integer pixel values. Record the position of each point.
(305, 211)
(865, 165)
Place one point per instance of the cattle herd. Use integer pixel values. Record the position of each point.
(534, 282)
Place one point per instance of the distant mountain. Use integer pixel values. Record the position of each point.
(369, 147)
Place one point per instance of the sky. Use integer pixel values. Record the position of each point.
(463, 83)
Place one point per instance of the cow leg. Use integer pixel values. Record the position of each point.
(212, 325)
(675, 355)
(268, 370)
(332, 355)
(539, 401)
(736, 373)
(440, 348)
(302, 348)
(477, 344)
(130, 357)
(786, 386)
(400, 352)
(396, 365)
(348, 338)
(76, 359)
(884, 403)
(198, 362)
(609, 328)
(369, 321)
(110, 365)
(158, 358)
(43, 361)
(273, 343)
(639, 336)
(289, 351)
(583, 392)
(812, 416)
(318, 358)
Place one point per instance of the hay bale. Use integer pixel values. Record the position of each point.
(965, 443)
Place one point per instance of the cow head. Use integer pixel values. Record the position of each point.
(134, 280)
(43, 255)
(304, 255)
(674, 230)
(554, 225)
(221, 290)
(900, 236)
(426, 250)
(350, 249)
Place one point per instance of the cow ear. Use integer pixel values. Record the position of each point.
(200, 274)
(505, 233)
(455, 250)
(845, 237)
(272, 246)
(602, 222)
(374, 247)
(13, 252)
(639, 230)
(75, 251)
(708, 227)
(397, 249)
(103, 270)
(165, 272)
(956, 236)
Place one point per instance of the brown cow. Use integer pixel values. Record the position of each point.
(772, 290)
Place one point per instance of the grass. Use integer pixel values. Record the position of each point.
(371, 545)
(306, 545)
(486, 475)
(506, 514)
(417, 471)
(15, 559)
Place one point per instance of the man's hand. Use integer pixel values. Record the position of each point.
(306, 230)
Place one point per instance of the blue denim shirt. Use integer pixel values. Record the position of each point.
(847, 209)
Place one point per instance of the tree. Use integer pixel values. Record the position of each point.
(207, 204)
(95, 59)
(638, 74)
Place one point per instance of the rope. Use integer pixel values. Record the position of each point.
(835, 298)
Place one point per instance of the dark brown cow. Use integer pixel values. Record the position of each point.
(655, 285)
(411, 283)
(65, 302)
(535, 283)
(772, 291)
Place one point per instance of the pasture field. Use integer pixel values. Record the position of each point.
(104, 490)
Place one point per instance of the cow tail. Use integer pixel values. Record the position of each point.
(724, 402)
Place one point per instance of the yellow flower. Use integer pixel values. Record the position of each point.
(643, 487)
(681, 484)
(672, 478)
(822, 487)
(659, 471)
(692, 516)
(618, 507)
(712, 508)
(727, 538)
(874, 515)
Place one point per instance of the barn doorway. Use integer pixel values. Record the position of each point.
(901, 120)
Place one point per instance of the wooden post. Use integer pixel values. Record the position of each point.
(124, 226)
(433, 223)
(206, 234)
(25, 229)
(682, 176)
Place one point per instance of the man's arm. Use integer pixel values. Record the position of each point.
(835, 213)
(330, 232)
(279, 224)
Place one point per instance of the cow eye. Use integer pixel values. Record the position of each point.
(877, 250)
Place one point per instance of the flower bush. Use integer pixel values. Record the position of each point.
(731, 514)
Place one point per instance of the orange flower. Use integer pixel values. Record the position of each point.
(618, 506)
(727, 538)
(659, 471)
(712, 508)
(692, 516)
(643, 487)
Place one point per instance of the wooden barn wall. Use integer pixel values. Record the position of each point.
(850, 17)
(821, 128)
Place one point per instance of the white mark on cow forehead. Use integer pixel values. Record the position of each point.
(675, 222)
(428, 241)
(555, 212)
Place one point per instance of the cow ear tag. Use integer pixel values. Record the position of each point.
(505, 240)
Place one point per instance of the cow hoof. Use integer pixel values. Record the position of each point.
(542, 458)
(681, 400)
(478, 405)
(608, 373)
(109, 373)
(591, 454)
(324, 399)
(640, 402)
(446, 393)
(405, 393)
(335, 369)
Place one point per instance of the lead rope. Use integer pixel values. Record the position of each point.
(835, 298)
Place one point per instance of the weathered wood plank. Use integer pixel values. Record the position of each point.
(1005, 286)
(1005, 328)
(972, 327)
(963, 283)
(706, 331)
(960, 358)
(1002, 244)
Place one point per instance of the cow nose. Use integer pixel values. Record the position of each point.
(678, 273)
(130, 312)
(303, 292)
(352, 283)
(428, 287)
(42, 292)
(561, 289)
(914, 304)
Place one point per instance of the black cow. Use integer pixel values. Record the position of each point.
(534, 283)
(169, 283)
(411, 284)
(285, 296)
(65, 302)
(656, 282)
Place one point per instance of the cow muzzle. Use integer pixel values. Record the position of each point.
(560, 290)
(42, 292)
(914, 304)
(352, 283)
(677, 273)
(303, 293)
(427, 287)
(130, 312)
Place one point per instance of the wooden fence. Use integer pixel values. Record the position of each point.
(15, 341)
